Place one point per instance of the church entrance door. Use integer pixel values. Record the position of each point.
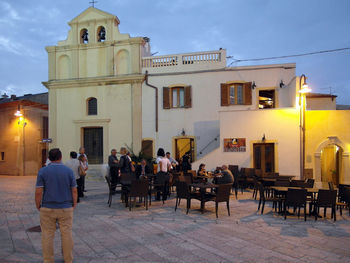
(93, 143)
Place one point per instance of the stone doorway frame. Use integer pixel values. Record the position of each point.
(344, 177)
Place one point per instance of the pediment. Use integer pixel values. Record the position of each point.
(92, 14)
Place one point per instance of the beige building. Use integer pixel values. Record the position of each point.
(95, 87)
(22, 151)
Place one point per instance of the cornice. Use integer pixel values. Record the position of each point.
(96, 81)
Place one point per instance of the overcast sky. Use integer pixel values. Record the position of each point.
(246, 28)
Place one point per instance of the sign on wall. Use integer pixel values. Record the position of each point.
(234, 145)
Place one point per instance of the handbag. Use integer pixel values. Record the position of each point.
(81, 171)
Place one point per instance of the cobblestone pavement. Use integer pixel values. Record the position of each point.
(103, 234)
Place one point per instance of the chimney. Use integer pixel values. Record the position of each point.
(13, 97)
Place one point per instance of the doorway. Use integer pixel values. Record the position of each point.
(93, 143)
(331, 164)
(182, 146)
(264, 157)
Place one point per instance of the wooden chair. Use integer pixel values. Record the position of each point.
(264, 199)
(295, 198)
(139, 188)
(111, 191)
(183, 192)
(325, 199)
(222, 195)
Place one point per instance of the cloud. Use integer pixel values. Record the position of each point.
(9, 15)
(9, 89)
(9, 46)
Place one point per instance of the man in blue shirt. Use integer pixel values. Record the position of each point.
(55, 198)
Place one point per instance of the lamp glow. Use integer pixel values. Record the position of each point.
(18, 113)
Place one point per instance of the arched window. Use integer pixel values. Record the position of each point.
(101, 34)
(92, 106)
(84, 36)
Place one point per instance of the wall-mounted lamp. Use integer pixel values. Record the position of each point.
(263, 139)
(183, 133)
(282, 84)
(18, 112)
(253, 85)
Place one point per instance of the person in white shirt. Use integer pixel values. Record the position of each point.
(164, 167)
(173, 162)
(86, 163)
(73, 163)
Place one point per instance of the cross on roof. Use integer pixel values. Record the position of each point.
(93, 2)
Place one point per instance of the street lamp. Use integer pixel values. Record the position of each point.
(303, 90)
(21, 119)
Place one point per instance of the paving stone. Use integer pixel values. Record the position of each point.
(113, 234)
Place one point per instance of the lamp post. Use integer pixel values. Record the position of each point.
(303, 89)
(21, 120)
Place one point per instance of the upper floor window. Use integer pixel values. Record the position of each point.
(177, 97)
(84, 36)
(267, 99)
(236, 94)
(45, 130)
(101, 34)
(92, 106)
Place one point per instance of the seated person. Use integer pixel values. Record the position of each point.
(226, 176)
(142, 170)
(173, 162)
(201, 170)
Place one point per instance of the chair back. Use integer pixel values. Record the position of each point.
(182, 189)
(127, 178)
(108, 180)
(296, 197)
(310, 183)
(341, 193)
(331, 186)
(233, 169)
(326, 198)
(297, 183)
(139, 188)
(261, 190)
(258, 172)
(189, 177)
(186, 179)
(223, 192)
(285, 183)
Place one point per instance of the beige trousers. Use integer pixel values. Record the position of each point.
(48, 219)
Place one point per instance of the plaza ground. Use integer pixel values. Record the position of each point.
(103, 234)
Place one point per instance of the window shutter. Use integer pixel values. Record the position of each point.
(247, 93)
(225, 98)
(188, 98)
(166, 98)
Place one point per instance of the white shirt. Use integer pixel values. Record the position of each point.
(165, 163)
(74, 165)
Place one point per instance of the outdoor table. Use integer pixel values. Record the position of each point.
(204, 196)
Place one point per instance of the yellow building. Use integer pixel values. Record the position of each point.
(95, 87)
(22, 151)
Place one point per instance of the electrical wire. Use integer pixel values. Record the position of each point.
(289, 56)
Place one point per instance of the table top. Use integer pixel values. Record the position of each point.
(203, 185)
(285, 189)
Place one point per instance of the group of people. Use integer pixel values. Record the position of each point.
(226, 176)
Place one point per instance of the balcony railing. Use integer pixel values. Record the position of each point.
(200, 58)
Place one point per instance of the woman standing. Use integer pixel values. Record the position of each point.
(82, 173)
(163, 173)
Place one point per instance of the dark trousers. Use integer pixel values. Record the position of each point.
(82, 183)
(79, 187)
(114, 176)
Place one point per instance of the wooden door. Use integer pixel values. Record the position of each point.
(93, 143)
(264, 157)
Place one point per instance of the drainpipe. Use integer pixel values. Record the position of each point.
(156, 89)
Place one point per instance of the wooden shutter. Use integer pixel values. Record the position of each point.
(188, 96)
(225, 94)
(247, 91)
(166, 98)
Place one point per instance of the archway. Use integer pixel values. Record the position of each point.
(331, 164)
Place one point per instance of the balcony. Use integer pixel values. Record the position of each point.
(185, 62)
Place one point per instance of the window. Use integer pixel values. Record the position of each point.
(266, 99)
(177, 97)
(92, 106)
(101, 34)
(84, 36)
(2, 156)
(236, 94)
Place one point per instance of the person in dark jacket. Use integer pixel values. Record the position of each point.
(113, 168)
(186, 162)
(124, 162)
(142, 169)
(226, 176)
